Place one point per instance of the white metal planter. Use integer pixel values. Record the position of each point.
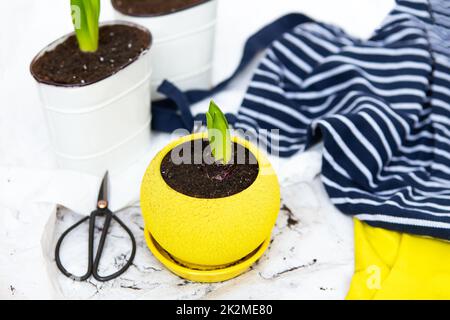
(100, 126)
(183, 45)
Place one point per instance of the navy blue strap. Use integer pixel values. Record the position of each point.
(174, 112)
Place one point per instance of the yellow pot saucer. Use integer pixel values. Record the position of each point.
(201, 274)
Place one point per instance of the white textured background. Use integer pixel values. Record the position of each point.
(26, 26)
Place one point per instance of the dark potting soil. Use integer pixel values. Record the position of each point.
(198, 175)
(119, 45)
(148, 8)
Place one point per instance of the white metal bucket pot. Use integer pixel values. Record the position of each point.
(183, 45)
(104, 125)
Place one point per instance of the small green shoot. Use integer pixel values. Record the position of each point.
(85, 16)
(218, 134)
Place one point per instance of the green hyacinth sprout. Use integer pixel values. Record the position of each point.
(85, 16)
(218, 134)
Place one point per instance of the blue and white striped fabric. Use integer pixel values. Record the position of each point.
(381, 106)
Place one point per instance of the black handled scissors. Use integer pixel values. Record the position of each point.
(93, 263)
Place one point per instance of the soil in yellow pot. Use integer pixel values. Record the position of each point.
(216, 227)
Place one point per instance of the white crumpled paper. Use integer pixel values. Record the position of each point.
(29, 200)
(30, 195)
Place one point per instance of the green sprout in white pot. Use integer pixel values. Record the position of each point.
(85, 17)
(75, 74)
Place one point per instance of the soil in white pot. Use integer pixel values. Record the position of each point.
(200, 176)
(148, 8)
(66, 64)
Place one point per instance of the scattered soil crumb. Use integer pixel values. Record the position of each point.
(325, 289)
(291, 219)
(184, 283)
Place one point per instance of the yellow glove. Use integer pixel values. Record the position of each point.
(393, 265)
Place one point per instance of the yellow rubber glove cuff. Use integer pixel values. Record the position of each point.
(393, 265)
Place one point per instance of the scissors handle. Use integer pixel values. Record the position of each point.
(93, 263)
(90, 250)
(96, 263)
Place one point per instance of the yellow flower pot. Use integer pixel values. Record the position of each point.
(209, 234)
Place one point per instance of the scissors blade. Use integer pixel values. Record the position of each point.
(103, 194)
